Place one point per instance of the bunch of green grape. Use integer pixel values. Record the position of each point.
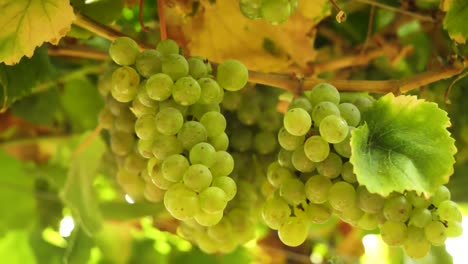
(272, 11)
(313, 180)
(168, 134)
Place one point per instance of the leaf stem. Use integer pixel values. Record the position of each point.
(162, 20)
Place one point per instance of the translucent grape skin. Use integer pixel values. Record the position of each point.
(288, 141)
(397, 209)
(323, 92)
(169, 121)
(275, 212)
(186, 91)
(212, 200)
(333, 129)
(197, 177)
(316, 189)
(232, 75)
(341, 195)
(167, 47)
(393, 233)
(297, 121)
(124, 51)
(316, 148)
(294, 231)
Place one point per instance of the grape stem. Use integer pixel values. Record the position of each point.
(398, 10)
(77, 52)
(162, 20)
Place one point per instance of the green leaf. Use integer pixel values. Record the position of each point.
(455, 19)
(15, 248)
(17, 81)
(404, 145)
(103, 11)
(41, 109)
(78, 193)
(79, 247)
(26, 24)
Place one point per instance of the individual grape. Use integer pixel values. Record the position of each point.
(297, 121)
(288, 141)
(167, 47)
(213, 200)
(202, 153)
(153, 194)
(420, 217)
(441, 194)
(393, 233)
(181, 202)
(436, 233)
(275, 212)
(125, 121)
(350, 114)
(341, 195)
(448, 211)
(157, 177)
(214, 122)
(343, 148)
(220, 142)
(249, 111)
(145, 127)
(369, 202)
(197, 177)
(115, 106)
(317, 213)
(351, 214)
(223, 164)
(211, 92)
(125, 82)
(175, 65)
(331, 166)
(302, 102)
(317, 188)
(222, 231)
(301, 162)
(227, 184)
(124, 51)
(134, 163)
(148, 63)
(416, 200)
(293, 191)
(294, 231)
(368, 222)
(206, 219)
(324, 109)
(347, 172)
(171, 103)
(241, 140)
(159, 86)
(232, 75)
(197, 67)
(363, 104)
(143, 98)
(316, 148)
(323, 92)
(265, 142)
(416, 245)
(397, 209)
(191, 133)
(275, 11)
(197, 110)
(285, 158)
(122, 143)
(169, 121)
(105, 118)
(139, 109)
(174, 167)
(276, 174)
(145, 148)
(270, 120)
(231, 100)
(454, 229)
(165, 146)
(250, 8)
(186, 91)
(333, 129)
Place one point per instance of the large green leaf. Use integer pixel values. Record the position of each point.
(404, 145)
(26, 24)
(455, 19)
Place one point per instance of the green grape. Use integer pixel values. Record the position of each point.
(165, 146)
(145, 148)
(333, 129)
(202, 153)
(181, 202)
(214, 122)
(211, 92)
(242, 139)
(270, 120)
(397, 209)
(416, 245)
(139, 109)
(134, 163)
(249, 111)
(420, 217)
(175, 65)
(206, 219)
(441, 194)
(301, 162)
(347, 172)
(174, 167)
(417, 200)
(145, 127)
(448, 211)
(351, 214)
(197, 110)
(323, 92)
(232, 75)
(125, 121)
(197, 177)
(317, 188)
(316, 148)
(169, 121)
(343, 148)
(153, 194)
(265, 142)
(294, 231)
(222, 231)
(324, 109)
(369, 202)
(276, 174)
(350, 113)
(285, 158)
(223, 164)
(297, 121)
(171, 103)
(104, 84)
(231, 100)
(125, 82)
(159, 86)
(363, 104)
(368, 222)
(191, 133)
(302, 102)
(393, 233)
(197, 68)
(220, 142)
(275, 212)
(317, 213)
(122, 143)
(436, 233)
(275, 11)
(454, 229)
(143, 97)
(250, 8)
(288, 141)
(293, 191)
(186, 91)
(206, 243)
(213, 200)
(159, 180)
(167, 47)
(124, 51)
(148, 63)
(331, 166)
(105, 118)
(227, 184)
(115, 106)
(341, 195)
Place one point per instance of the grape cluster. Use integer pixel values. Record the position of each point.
(272, 11)
(168, 135)
(313, 180)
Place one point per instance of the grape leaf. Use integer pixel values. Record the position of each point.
(78, 192)
(219, 31)
(26, 24)
(403, 145)
(455, 19)
(15, 248)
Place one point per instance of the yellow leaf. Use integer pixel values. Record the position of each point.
(219, 31)
(27, 24)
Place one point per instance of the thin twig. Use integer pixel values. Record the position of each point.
(162, 20)
(77, 52)
(398, 10)
(88, 140)
(449, 89)
(369, 29)
(341, 15)
(140, 16)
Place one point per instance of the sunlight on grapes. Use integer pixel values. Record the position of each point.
(375, 249)
(457, 246)
(66, 226)
(129, 199)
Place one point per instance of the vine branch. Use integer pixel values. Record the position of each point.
(398, 10)
(162, 20)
